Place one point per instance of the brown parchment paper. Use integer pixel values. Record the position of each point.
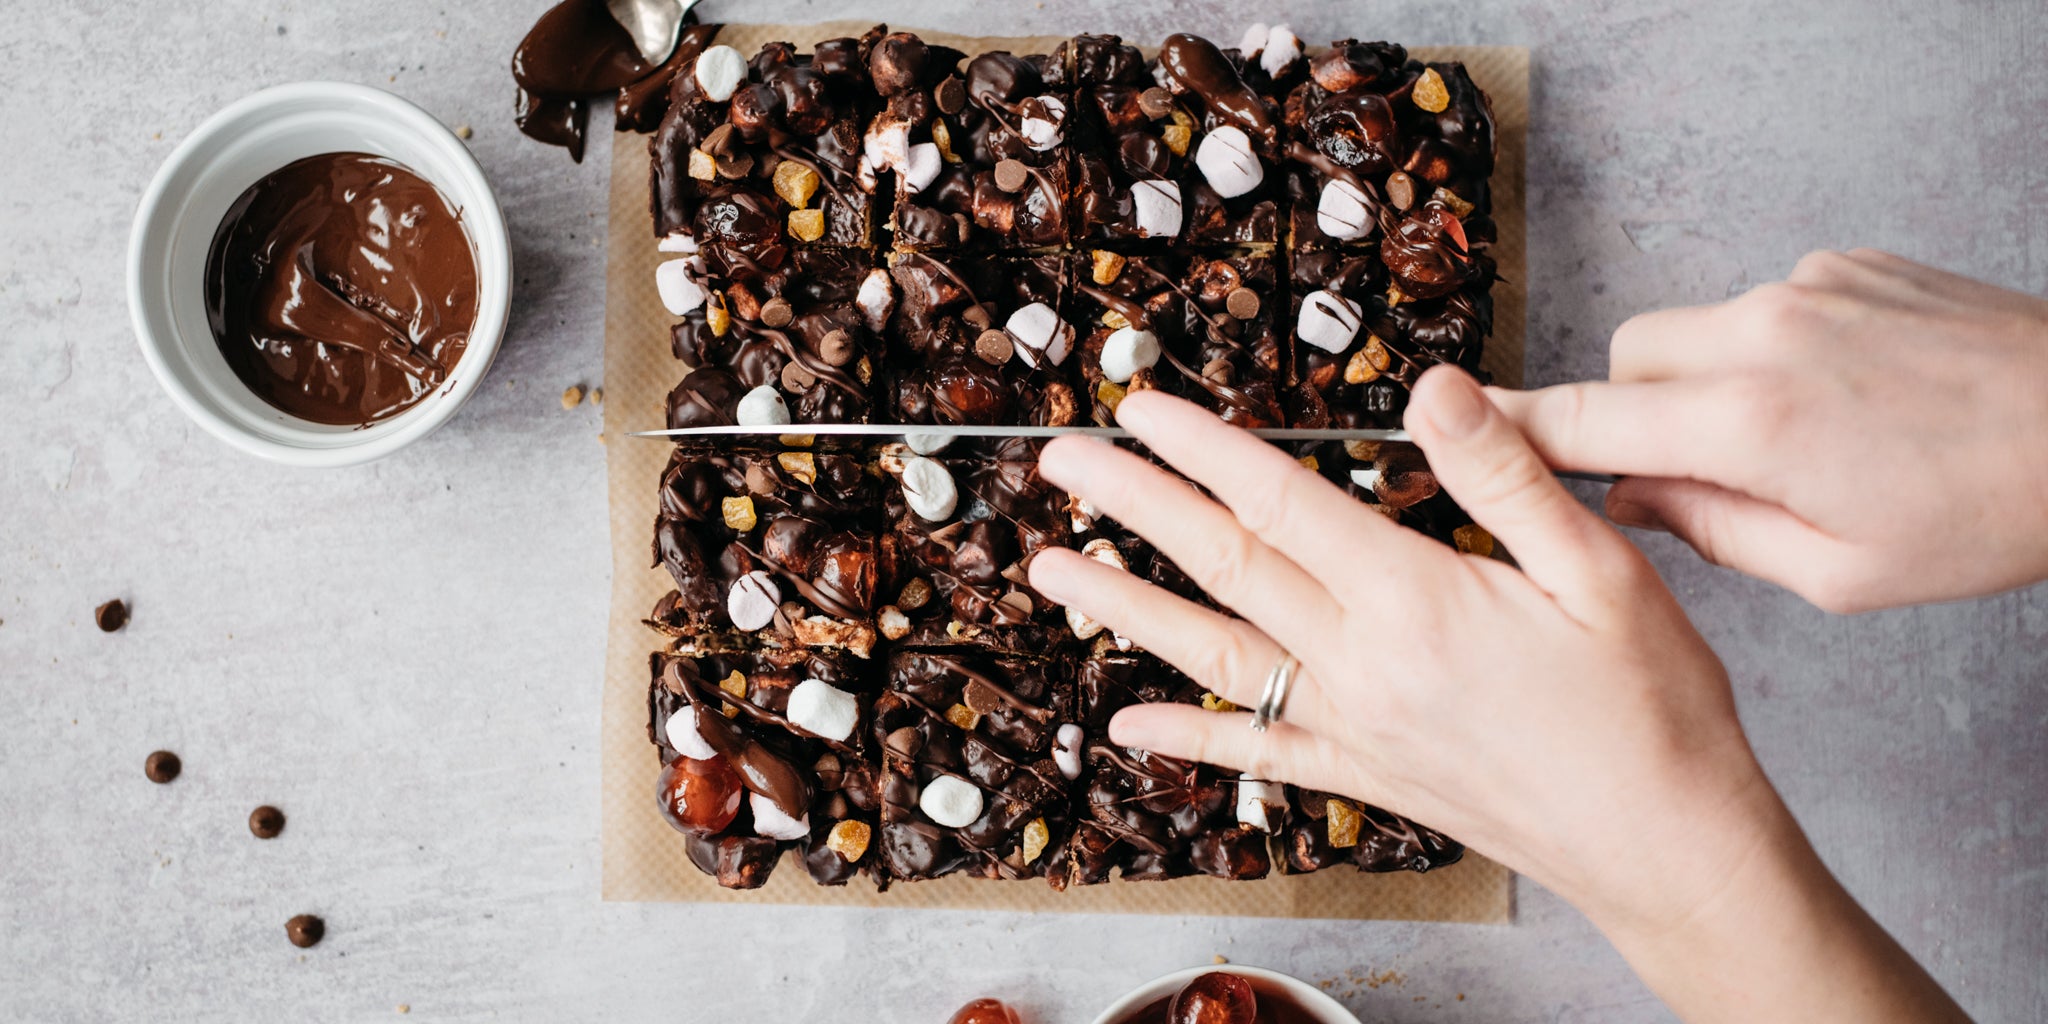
(643, 857)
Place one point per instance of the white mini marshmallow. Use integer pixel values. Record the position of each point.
(1157, 208)
(1103, 550)
(1344, 211)
(1226, 159)
(929, 489)
(720, 70)
(927, 444)
(1328, 320)
(1084, 627)
(1254, 40)
(1066, 749)
(1041, 124)
(887, 144)
(823, 710)
(1367, 478)
(864, 175)
(1257, 802)
(1126, 351)
(683, 735)
(771, 822)
(951, 802)
(762, 407)
(678, 287)
(1039, 330)
(921, 165)
(752, 600)
(1282, 49)
(678, 241)
(876, 299)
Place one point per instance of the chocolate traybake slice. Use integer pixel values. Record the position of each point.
(765, 150)
(1147, 816)
(971, 777)
(1325, 830)
(1206, 326)
(1388, 164)
(771, 548)
(959, 531)
(977, 153)
(980, 339)
(765, 751)
(785, 340)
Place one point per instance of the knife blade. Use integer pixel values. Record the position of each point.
(935, 434)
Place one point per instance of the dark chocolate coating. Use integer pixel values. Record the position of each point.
(1386, 842)
(807, 108)
(1235, 367)
(816, 287)
(772, 756)
(809, 535)
(981, 125)
(945, 302)
(1007, 754)
(975, 559)
(1151, 816)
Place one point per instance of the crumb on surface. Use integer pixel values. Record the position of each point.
(572, 396)
(463, 131)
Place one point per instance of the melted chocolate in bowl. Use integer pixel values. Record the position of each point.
(342, 288)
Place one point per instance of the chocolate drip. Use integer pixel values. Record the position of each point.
(761, 769)
(1195, 65)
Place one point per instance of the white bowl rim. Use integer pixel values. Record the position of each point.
(1312, 998)
(482, 218)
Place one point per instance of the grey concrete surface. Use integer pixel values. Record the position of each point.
(405, 656)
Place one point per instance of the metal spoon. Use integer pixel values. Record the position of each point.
(655, 25)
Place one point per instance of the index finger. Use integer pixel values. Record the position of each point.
(1283, 503)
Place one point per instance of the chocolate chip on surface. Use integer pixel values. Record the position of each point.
(111, 616)
(994, 347)
(162, 766)
(952, 95)
(305, 930)
(1011, 175)
(1243, 303)
(266, 822)
(1155, 103)
(776, 312)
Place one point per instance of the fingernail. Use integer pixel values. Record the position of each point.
(1125, 733)
(1047, 576)
(1132, 415)
(1458, 408)
(1641, 517)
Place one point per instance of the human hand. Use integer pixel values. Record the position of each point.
(1563, 718)
(1550, 717)
(1869, 433)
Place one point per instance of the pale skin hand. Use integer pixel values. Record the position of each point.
(1868, 433)
(1563, 718)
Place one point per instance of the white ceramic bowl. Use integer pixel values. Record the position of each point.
(184, 205)
(1317, 1002)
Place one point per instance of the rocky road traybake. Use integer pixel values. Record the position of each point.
(1287, 238)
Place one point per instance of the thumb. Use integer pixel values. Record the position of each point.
(1488, 466)
(1727, 528)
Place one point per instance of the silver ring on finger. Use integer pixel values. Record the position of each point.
(1273, 699)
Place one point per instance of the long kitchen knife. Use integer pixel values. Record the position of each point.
(924, 437)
